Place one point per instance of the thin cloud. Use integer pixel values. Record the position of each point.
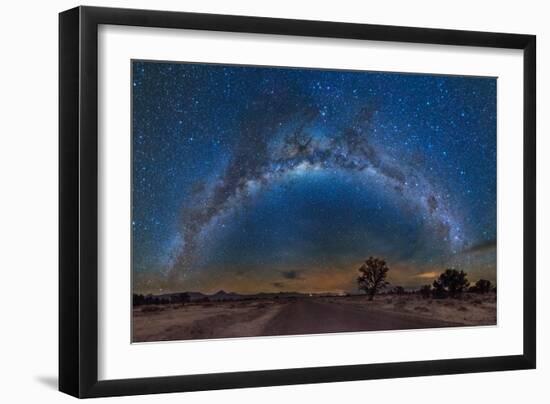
(427, 275)
(293, 274)
(482, 247)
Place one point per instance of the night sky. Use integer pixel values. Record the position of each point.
(252, 179)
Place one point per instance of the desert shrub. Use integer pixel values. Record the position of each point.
(450, 283)
(462, 308)
(438, 291)
(398, 290)
(482, 286)
(138, 300)
(425, 291)
(422, 309)
(149, 299)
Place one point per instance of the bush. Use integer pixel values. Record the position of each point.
(482, 286)
(425, 291)
(451, 282)
(398, 290)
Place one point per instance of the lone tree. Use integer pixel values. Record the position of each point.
(452, 281)
(372, 276)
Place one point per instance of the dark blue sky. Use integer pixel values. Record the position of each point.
(260, 179)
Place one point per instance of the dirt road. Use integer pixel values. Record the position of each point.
(314, 316)
(300, 316)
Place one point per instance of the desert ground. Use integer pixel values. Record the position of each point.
(308, 315)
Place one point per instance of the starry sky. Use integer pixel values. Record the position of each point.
(264, 179)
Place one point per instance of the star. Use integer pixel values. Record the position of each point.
(241, 168)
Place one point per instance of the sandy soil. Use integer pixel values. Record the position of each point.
(202, 320)
(469, 309)
(308, 316)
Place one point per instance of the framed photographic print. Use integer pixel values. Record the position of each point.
(250, 201)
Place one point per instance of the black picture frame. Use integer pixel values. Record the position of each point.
(78, 201)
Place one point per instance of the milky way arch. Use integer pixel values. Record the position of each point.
(282, 145)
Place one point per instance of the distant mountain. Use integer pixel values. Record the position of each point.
(222, 295)
(184, 297)
(270, 295)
